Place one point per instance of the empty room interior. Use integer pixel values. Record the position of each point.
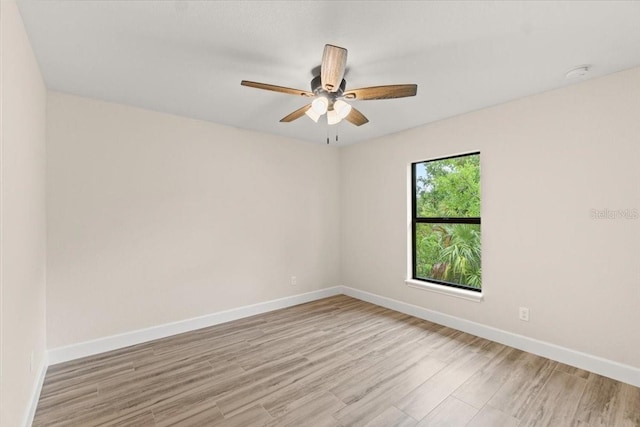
(319, 213)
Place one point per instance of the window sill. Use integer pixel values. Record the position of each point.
(445, 290)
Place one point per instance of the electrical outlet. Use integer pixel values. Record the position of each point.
(294, 281)
(523, 313)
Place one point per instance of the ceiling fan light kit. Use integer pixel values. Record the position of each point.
(329, 92)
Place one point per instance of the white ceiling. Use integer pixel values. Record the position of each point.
(188, 57)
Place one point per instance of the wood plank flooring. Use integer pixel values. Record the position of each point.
(334, 362)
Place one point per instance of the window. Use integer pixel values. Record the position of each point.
(446, 221)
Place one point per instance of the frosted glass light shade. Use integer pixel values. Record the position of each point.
(333, 117)
(320, 105)
(342, 108)
(312, 114)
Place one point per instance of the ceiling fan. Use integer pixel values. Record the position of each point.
(329, 93)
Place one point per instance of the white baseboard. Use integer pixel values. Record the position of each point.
(114, 342)
(605, 367)
(598, 365)
(35, 392)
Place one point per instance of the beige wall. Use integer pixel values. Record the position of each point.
(546, 161)
(23, 217)
(154, 218)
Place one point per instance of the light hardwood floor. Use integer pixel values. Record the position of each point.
(334, 362)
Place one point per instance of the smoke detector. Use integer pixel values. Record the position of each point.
(580, 71)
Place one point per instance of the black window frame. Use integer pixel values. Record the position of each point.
(415, 220)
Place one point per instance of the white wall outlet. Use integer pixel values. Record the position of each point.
(294, 281)
(523, 314)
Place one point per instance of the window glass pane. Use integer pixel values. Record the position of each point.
(448, 187)
(449, 253)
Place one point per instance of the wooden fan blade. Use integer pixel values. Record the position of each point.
(382, 92)
(275, 88)
(334, 62)
(296, 114)
(356, 117)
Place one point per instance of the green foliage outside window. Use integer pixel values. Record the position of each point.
(449, 252)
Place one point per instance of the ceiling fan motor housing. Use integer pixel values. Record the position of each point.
(316, 87)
